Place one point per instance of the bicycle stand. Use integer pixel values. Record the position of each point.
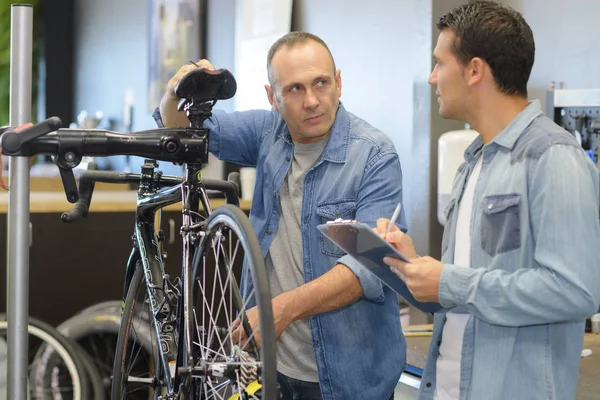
(21, 50)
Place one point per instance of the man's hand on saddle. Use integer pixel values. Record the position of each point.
(171, 117)
(182, 71)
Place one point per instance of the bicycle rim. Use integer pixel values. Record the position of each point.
(55, 370)
(229, 278)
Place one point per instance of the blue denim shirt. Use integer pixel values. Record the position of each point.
(535, 271)
(360, 349)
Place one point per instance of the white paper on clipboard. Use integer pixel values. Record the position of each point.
(360, 242)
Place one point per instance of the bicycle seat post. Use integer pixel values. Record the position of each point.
(197, 114)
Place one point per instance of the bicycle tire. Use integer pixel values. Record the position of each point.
(42, 371)
(96, 332)
(111, 306)
(126, 347)
(231, 220)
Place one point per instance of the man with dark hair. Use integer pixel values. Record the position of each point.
(520, 270)
(338, 327)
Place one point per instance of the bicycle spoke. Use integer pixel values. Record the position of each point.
(223, 287)
(211, 310)
(211, 316)
(215, 392)
(202, 352)
(231, 291)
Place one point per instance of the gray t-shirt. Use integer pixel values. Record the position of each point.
(295, 353)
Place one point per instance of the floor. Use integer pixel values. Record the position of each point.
(404, 390)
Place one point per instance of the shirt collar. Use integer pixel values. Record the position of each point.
(509, 135)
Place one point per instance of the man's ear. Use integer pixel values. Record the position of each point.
(271, 97)
(475, 71)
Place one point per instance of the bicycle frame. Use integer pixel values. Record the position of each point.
(150, 199)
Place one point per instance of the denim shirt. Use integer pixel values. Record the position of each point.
(360, 349)
(535, 273)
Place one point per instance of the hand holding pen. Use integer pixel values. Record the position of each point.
(422, 275)
(401, 241)
(394, 218)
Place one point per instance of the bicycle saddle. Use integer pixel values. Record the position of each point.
(202, 85)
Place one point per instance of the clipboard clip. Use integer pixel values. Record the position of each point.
(341, 221)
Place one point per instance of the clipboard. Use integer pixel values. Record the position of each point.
(360, 242)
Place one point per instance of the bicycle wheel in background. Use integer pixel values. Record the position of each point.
(229, 278)
(97, 386)
(110, 306)
(95, 330)
(55, 370)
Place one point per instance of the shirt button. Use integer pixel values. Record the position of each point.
(428, 384)
(287, 159)
(274, 194)
(490, 206)
(268, 232)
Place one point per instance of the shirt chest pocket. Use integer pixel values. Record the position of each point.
(328, 212)
(501, 223)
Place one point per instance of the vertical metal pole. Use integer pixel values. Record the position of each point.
(21, 48)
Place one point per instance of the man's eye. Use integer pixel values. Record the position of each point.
(294, 88)
(321, 83)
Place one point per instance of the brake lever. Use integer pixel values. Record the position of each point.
(68, 180)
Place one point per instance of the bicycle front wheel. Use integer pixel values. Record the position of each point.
(136, 369)
(229, 279)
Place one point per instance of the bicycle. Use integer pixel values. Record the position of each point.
(191, 327)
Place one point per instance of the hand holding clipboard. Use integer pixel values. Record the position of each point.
(363, 244)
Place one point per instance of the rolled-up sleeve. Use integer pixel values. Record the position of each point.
(371, 285)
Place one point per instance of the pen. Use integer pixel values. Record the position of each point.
(394, 217)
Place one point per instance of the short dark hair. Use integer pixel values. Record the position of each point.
(497, 34)
(290, 40)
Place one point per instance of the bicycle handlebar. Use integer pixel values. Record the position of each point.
(179, 145)
(88, 178)
(69, 146)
